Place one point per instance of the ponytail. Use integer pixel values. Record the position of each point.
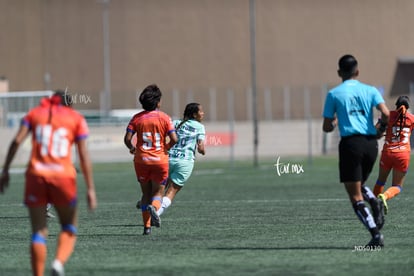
(189, 112)
(402, 110)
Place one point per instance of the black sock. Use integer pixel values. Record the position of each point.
(365, 217)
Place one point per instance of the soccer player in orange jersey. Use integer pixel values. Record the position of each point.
(151, 127)
(51, 176)
(395, 154)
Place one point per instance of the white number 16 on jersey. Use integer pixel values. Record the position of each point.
(52, 142)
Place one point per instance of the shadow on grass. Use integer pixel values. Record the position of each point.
(120, 225)
(282, 248)
(122, 235)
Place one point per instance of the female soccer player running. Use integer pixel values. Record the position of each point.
(51, 176)
(191, 135)
(395, 154)
(152, 127)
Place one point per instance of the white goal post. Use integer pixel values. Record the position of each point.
(13, 105)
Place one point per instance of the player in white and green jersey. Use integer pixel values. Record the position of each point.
(191, 135)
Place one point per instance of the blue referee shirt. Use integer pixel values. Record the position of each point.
(353, 103)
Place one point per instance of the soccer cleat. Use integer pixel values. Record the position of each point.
(377, 241)
(48, 213)
(57, 268)
(147, 231)
(384, 202)
(378, 213)
(155, 219)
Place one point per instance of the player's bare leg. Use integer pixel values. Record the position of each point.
(38, 249)
(169, 196)
(355, 195)
(146, 189)
(381, 181)
(157, 192)
(398, 179)
(67, 237)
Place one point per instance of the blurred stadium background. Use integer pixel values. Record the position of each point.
(104, 52)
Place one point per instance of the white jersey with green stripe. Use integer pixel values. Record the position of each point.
(189, 134)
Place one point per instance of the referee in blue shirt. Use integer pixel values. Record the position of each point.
(350, 106)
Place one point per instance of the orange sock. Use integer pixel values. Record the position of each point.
(392, 192)
(156, 202)
(65, 246)
(38, 253)
(146, 218)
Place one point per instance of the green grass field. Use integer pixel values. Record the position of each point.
(228, 220)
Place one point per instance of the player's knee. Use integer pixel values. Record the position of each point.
(144, 207)
(38, 238)
(70, 228)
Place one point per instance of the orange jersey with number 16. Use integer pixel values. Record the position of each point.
(151, 128)
(54, 130)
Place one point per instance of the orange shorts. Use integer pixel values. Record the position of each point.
(395, 160)
(157, 173)
(40, 190)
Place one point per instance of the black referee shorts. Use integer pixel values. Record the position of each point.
(357, 155)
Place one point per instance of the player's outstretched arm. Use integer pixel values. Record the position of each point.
(86, 167)
(11, 152)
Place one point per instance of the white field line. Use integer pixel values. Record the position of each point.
(253, 201)
(215, 201)
(207, 171)
(196, 172)
(17, 170)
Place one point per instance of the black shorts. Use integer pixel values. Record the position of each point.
(357, 155)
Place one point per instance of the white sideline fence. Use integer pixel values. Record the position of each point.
(226, 139)
(276, 139)
(278, 103)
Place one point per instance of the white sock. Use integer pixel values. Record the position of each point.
(57, 267)
(166, 202)
(368, 193)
